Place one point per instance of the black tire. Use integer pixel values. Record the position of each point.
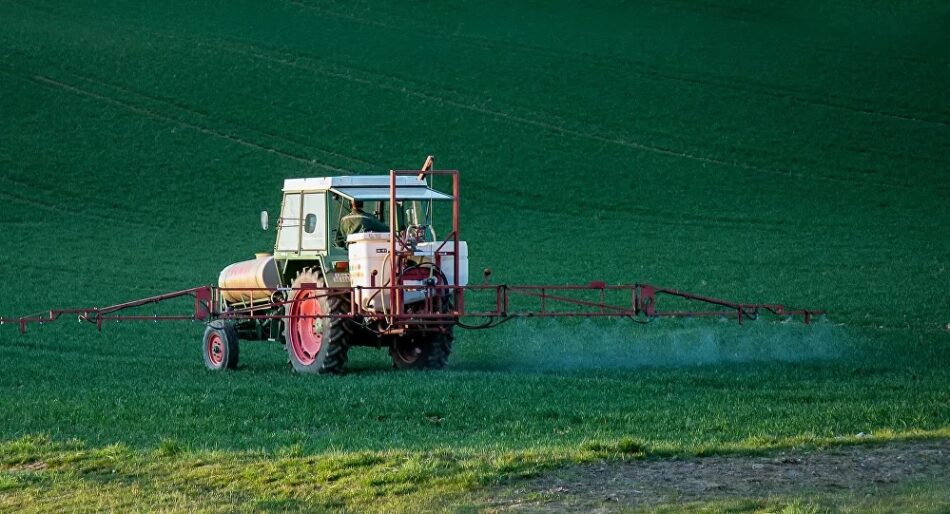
(220, 346)
(440, 349)
(422, 350)
(425, 349)
(314, 344)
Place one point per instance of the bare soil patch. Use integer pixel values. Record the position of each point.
(27, 468)
(610, 486)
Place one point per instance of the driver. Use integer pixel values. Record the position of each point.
(357, 221)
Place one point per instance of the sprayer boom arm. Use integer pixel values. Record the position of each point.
(500, 303)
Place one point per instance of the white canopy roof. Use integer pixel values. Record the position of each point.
(372, 187)
(382, 193)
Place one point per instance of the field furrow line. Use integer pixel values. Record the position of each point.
(23, 223)
(58, 209)
(523, 120)
(803, 44)
(660, 218)
(412, 87)
(678, 218)
(666, 221)
(627, 65)
(652, 216)
(162, 117)
(206, 130)
(255, 51)
(877, 152)
(470, 98)
(500, 115)
(187, 109)
(122, 211)
(503, 115)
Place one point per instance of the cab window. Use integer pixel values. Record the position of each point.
(288, 226)
(314, 233)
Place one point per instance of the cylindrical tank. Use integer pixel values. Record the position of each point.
(260, 272)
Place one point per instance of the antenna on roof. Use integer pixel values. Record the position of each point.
(426, 166)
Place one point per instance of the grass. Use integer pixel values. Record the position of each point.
(72, 477)
(135, 393)
(41, 476)
(744, 151)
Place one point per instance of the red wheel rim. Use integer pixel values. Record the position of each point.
(215, 349)
(306, 328)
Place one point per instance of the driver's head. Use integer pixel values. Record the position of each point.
(357, 205)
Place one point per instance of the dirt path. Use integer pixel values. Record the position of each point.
(608, 487)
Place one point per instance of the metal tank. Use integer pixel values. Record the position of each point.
(259, 275)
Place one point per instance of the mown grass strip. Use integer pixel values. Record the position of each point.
(39, 474)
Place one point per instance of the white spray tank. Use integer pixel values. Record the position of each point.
(369, 253)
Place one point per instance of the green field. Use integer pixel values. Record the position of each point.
(762, 153)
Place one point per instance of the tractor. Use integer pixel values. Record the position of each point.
(323, 291)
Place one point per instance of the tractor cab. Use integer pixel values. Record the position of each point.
(316, 220)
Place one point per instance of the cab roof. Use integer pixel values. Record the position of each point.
(367, 187)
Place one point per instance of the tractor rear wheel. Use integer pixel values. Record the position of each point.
(315, 344)
(428, 349)
(422, 350)
(220, 345)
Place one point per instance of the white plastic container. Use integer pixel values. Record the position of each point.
(369, 251)
(445, 260)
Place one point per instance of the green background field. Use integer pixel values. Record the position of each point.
(748, 151)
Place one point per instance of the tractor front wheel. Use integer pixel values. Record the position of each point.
(220, 345)
(315, 343)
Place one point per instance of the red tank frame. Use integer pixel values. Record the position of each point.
(544, 301)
